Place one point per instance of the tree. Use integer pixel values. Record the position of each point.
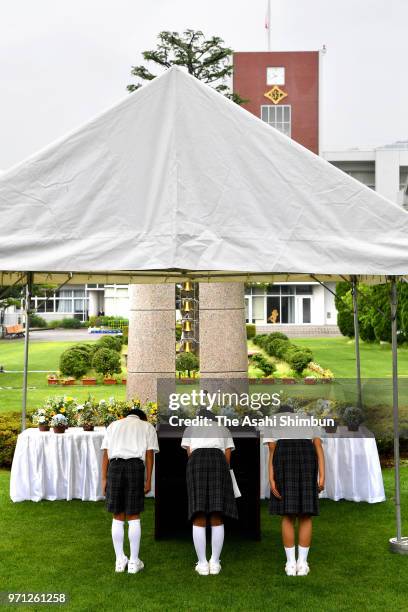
(374, 311)
(13, 296)
(205, 58)
(187, 361)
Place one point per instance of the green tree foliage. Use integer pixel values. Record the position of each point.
(75, 362)
(111, 342)
(187, 362)
(205, 58)
(374, 311)
(106, 361)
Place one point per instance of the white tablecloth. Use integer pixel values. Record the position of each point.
(68, 466)
(353, 469)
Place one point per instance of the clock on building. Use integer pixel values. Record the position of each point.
(275, 75)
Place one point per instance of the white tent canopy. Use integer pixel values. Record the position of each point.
(176, 180)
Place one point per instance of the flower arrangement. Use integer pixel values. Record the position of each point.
(88, 414)
(64, 405)
(42, 418)
(151, 411)
(353, 416)
(59, 422)
(112, 410)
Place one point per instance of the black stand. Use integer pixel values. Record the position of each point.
(171, 492)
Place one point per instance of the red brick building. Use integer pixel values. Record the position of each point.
(282, 88)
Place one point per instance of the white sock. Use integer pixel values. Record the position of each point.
(199, 540)
(118, 530)
(217, 541)
(302, 553)
(290, 554)
(134, 534)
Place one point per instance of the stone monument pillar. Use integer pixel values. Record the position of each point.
(223, 346)
(151, 348)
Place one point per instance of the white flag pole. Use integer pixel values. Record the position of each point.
(268, 25)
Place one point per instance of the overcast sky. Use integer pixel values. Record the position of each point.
(63, 61)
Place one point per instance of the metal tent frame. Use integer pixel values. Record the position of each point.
(398, 544)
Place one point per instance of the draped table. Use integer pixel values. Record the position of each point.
(68, 466)
(352, 464)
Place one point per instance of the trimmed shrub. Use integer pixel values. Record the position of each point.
(37, 321)
(187, 362)
(279, 335)
(263, 364)
(71, 323)
(114, 343)
(260, 339)
(10, 427)
(298, 360)
(74, 362)
(54, 324)
(250, 331)
(106, 361)
(277, 347)
(88, 349)
(108, 321)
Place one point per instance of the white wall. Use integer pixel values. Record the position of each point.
(318, 316)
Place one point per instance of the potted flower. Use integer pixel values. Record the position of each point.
(108, 379)
(42, 418)
(151, 411)
(310, 380)
(68, 381)
(88, 414)
(333, 415)
(112, 410)
(53, 379)
(59, 423)
(88, 380)
(353, 417)
(63, 405)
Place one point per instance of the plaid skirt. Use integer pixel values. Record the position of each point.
(209, 484)
(295, 471)
(125, 486)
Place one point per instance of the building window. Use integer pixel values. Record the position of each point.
(276, 304)
(279, 117)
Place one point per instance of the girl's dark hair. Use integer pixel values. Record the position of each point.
(142, 415)
(203, 412)
(285, 408)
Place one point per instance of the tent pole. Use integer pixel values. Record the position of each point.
(398, 544)
(357, 341)
(27, 300)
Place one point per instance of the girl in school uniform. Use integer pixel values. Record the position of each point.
(296, 476)
(209, 488)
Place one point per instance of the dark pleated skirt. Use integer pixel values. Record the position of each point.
(209, 484)
(295, 470)
(125, 486)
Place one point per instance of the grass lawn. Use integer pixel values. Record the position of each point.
(337, 354)
(42, 356)
(66, 546)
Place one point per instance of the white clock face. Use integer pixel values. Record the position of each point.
(275, 75)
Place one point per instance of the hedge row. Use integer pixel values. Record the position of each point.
(10, 427)
(278, 345)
